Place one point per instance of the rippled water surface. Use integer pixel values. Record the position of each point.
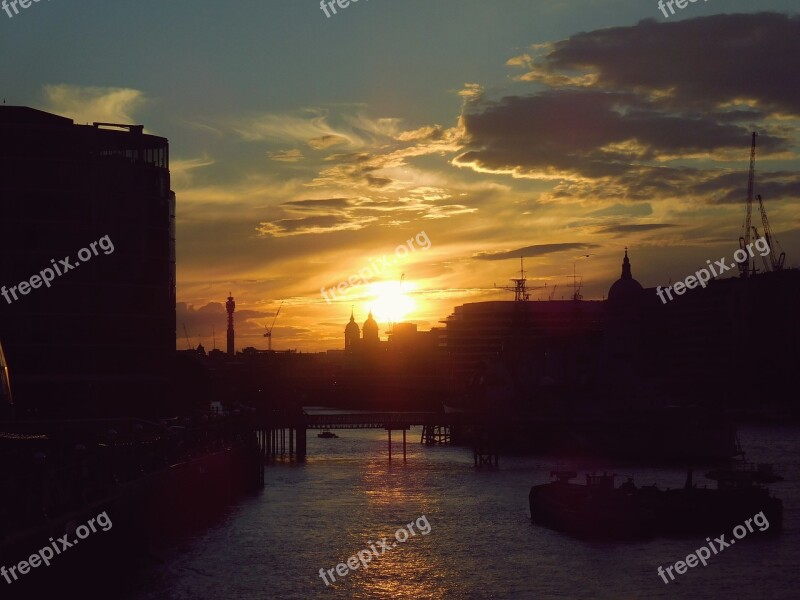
(481, 544)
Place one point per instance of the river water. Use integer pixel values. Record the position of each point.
(481, 542)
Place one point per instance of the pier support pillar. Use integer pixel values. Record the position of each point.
(301, 443)
(484, 449)
(389, 429)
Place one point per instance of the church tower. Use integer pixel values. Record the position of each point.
(351, 334)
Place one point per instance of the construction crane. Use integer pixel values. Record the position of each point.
(745, 270)
(186, 333)
(553, 293)
(776, 254)
(764, 259)
(268, 332)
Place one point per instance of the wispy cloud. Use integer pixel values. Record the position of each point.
(535, 250)
(90, 104)
(289, 156)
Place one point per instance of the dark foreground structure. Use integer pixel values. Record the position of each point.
(87, 325)
(97, 337)
(154, 482)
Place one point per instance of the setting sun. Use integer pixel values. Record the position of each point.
(389, 301)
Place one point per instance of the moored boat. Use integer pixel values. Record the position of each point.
(598, 509)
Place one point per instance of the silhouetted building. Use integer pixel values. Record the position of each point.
(734, 344)
(370, 332)
(352, 334)
(369, 343)
(230, 306)
(622, 350)
(541, 342)
(99, 335)
(403, 337)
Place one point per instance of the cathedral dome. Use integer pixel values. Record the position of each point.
(625, 288)
(370, 329)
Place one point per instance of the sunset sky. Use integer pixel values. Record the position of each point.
(304, 149)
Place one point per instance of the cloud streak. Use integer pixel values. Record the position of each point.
(535, 250)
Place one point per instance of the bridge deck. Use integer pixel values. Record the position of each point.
(397, 420)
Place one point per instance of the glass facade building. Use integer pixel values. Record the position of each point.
(98, 340)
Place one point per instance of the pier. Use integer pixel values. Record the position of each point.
(282, 436)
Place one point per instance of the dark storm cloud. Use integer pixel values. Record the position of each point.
(704, 62)
(529, 251)
(624, 102)
(730, 187)
(591, 134)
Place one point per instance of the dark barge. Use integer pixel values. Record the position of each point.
(601, 510)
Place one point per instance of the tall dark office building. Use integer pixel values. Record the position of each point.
(99, 337)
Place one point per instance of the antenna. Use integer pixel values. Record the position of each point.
(576, 286)
(520, 288)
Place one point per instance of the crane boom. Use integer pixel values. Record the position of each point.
(744, 240)
(764, 258)
(776, 254)
(186, 333)
(268, 333)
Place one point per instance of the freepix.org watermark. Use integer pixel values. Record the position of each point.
(7, 5)
(331, 4)
(703, 276)
(702, 554)
(47, 553)
(679, 3)
(47, 275)
(362, 558)
(375, 269)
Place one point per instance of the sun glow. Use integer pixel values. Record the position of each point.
(389, 302)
